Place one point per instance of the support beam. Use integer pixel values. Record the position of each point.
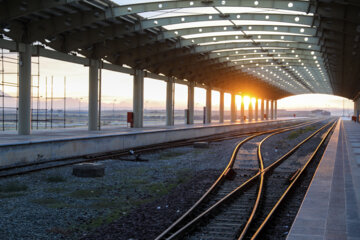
(191, 103)
(262, 109)
(25, 91)
(208, 105)
(276, 113)
(250, 111)
(267, 109)
(357, 109)
(93, 95)
(138, 99)
(272, 109)
(221, 107)
(170, 100)
(242, 109)
(233, 108)
(256, 109)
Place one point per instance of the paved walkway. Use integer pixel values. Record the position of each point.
(330, 209)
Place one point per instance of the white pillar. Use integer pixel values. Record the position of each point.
(242, 109)
(267, 109)
(191, 102)
(276, 109)
(262, 109)
(25, 91)
(208, 105)
(170, 98)
(221, 107)
(250, 111)
(256, 109)
(138, 99)
(93, 95)
(233, 108)
(272, 109)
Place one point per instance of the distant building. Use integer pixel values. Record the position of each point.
(319, 112)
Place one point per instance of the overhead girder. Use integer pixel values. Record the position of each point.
(117, 43)
(49, 27)
(12, 9)
(213, 69)
(227, 57)
(245, 54)
(89, 36)
(273, 85)
(300, 6)
(187, 61)
(338, 26)
(299, 20)
(173, 67)
(254, 87)
(124, 10)
(291, 45)
(38, 30)
(259, 42)
(246, 83)
(149, 52)
(334, 11)
(193, 72)
(196, 59)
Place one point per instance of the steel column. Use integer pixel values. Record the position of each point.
(272, 109)
(250, 110)
(191, 103)
(138, 99)
(357, 109)
(267, 109)
(233, 108)
(262, 109)
(256, 109)
(275, 102)
(242, 109)
(221, 107)
(93, 95)
(208, 105)
(25, 91)
(170, 98)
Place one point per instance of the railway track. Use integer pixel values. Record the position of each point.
(11, 171)
(240, 203)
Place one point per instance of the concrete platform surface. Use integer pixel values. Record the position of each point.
(12, 138)
(63, 143)
(330, 209)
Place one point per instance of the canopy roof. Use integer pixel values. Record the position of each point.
(267, 48)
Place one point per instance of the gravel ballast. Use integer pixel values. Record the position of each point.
(54, 204)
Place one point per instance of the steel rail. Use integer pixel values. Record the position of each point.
(263, 171)
(262, 225)
(217, 182)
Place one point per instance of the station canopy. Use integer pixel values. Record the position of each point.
(266, 48)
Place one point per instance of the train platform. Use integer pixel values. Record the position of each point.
(330, 210)
(44, 145)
